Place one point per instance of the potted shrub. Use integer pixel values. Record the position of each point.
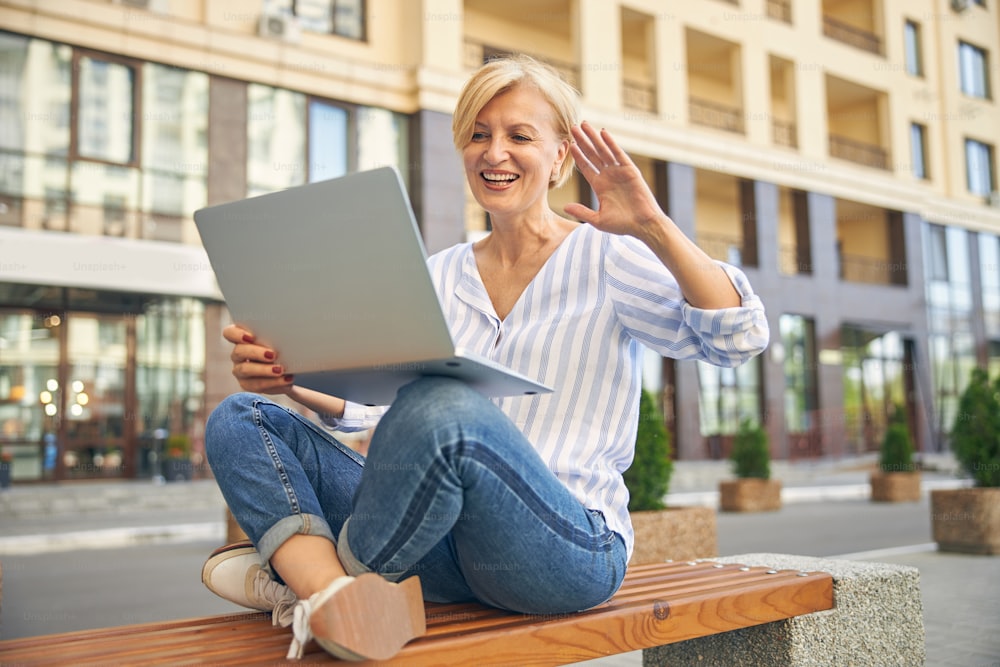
(968, 520)
(177, 465)
(662, 533)
(753, 490)
(897, 478)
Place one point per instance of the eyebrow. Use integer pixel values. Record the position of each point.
(517, 127)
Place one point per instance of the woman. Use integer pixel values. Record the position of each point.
(516, 502)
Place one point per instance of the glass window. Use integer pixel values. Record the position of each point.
(979, 167)
(328, 141)
(912, 45)
(339, 17)
(728, 395)
(34, 95)
(382, 139)
(937, 250)
(918, 143)
(174, 136)
(989, 276)
(276, 136)
(801, 400)
(973, 72)
(105, 112)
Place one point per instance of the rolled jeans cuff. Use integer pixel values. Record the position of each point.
(296, 524)
(351, 564)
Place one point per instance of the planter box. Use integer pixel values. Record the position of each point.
(675, 533)
(966, 520)
(178, 470)
(750, 495)
(895, 487)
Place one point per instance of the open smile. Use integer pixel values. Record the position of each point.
(498, 180)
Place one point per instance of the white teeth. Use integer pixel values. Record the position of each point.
(499, 178)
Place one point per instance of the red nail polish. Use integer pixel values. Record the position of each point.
(269, 355)
(247, 338)
(276, 370)
(288, 378)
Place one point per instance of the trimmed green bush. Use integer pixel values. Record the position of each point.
(896, 453)
(975, 435)
(751, 455)
(648, 478)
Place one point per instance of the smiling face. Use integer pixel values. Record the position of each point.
(514, 154)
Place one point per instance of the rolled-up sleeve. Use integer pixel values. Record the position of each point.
(651, 307)
(356, 418)
(731, 336)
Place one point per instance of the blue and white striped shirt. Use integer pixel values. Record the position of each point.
(578, 327)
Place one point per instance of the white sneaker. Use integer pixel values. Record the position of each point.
(360, 618)
(236, 573)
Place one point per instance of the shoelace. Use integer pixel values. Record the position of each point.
(266, 588)
(301, 633)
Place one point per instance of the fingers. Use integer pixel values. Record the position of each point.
(598, 149)
(255, 366)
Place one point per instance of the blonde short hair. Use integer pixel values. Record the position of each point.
(502, 74)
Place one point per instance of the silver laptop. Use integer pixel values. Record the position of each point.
(333, 275)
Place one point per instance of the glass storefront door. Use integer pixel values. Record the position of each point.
(30, 345)
(93, 397)
(97, 394)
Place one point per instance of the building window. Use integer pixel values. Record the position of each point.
(728, 396)
(989, 278)
(292, 139)
(918, 148)
(105, 111)
(798, 341)
(979, 167)
(345, 18)
(914, 53)
(973, 70)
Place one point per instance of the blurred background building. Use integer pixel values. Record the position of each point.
(842, 152)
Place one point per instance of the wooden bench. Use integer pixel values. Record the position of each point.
(657, 605)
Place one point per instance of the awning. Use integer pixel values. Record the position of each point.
(33, 257)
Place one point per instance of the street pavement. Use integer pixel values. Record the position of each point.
(86, 555)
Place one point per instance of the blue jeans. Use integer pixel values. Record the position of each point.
(451, 491)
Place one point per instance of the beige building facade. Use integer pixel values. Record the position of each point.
(842, 152)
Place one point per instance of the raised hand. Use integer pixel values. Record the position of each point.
(626, 205)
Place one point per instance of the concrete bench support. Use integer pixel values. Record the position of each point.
(877, 619)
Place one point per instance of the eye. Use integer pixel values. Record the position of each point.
(479, 136)
(521, 139)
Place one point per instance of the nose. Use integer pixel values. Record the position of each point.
(495, 151)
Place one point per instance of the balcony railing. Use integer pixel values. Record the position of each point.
(724, 247)
(785, 133)
(713, 114)
(793, 260)
(848, 34)
(780, 10)
(860, 269)
(477, 53)
(859, 152)
(639, 96)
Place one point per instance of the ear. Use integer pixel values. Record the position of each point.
(561, 154)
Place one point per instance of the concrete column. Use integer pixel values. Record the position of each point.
(755, 72)
(828, 319)
(437, 182)
(441, 41)
(671, 68)
(772, 369)
(681, 200)
(599, 50)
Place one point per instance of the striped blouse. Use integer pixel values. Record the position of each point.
(578, 327)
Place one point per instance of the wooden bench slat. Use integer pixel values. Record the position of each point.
(657, 605)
